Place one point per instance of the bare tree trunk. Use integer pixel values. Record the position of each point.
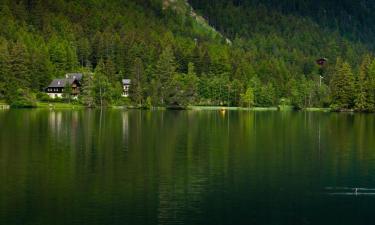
(101, 98)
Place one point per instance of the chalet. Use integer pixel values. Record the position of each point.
(56, 87)
(126, 85)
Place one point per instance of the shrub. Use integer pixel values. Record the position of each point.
(23, 99)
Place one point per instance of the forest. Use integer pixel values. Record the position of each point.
(271, 59)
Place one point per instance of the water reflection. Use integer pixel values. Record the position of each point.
(125, 130)
(192, 167)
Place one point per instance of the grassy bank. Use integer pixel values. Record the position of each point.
(232, 108)
(283, 108)
(317, 110)
(59, 105)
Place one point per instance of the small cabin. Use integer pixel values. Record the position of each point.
(56, 88)
(321, 61)
(126, 86)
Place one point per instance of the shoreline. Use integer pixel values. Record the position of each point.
(61, 105)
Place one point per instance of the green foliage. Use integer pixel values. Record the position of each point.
(342, 86)
(138, 82)
(23, 99)
(247, 99)
(148, 104)
(364, 100)
(172, 58)
(87, 92)
(102, 86)
(165, 74)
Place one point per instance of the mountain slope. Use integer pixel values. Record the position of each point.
(353, 19)
(166, 44)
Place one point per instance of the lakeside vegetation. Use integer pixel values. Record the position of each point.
(174, 61)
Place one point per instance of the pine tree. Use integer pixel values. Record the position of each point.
(4, 66)
(362, 100)
(191, 84)
(342, 86)
(164, 73)
(19, 76)
(84, 51)
(138, 82)
(370, 86)
(88, 90)
(41, 69)
(110, 71)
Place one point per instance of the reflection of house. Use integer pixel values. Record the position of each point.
(126, 85)
(56, 87)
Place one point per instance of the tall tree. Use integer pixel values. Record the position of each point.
(342, 86)
(19, 75)
(102, 86)
(138, 80)
(247, 98)
(164, 72)
(363, 101)
(4, 66)
(88, 90)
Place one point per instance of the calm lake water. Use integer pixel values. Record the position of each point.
(192, 167)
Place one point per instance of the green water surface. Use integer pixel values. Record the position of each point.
(110, 167)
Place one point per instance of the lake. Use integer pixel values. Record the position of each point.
(112, 167)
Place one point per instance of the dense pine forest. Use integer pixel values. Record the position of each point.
(263, 52)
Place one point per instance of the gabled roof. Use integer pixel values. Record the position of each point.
(60, 83)
(77, 76)
(126, 81)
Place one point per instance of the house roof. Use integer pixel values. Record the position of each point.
(60, 83)
(77, 76)
(126, 81)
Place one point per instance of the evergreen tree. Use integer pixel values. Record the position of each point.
(363, 100)
(342, 86)
(165, 71)
(19, 76)
(88, 90)
(370, 86)
(138, 80)
(4, 67)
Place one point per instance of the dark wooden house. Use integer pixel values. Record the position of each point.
(57, 86)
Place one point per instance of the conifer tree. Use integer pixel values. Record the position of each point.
(19, 75)
(88, 90)
(137, 87)
(4, 66)
(370, 86)
(164, 72)
(362, 100)
(342, 86)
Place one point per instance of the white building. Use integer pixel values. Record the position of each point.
(126, 85)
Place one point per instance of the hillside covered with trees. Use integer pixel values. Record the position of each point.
(173, 59)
